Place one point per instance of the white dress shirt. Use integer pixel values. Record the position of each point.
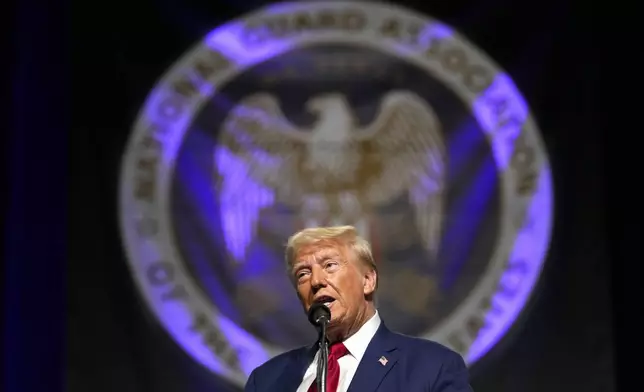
(357, 345)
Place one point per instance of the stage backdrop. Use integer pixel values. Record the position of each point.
(457, 138)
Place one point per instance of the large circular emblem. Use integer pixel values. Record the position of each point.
(324, 113)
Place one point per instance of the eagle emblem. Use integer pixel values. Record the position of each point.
(334, 172)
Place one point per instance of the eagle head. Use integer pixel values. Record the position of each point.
(324, 103)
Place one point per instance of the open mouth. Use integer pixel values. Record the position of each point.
(326, 300)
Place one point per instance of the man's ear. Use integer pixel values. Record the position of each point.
(370, 281)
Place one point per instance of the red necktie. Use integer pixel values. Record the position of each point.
(336, 351)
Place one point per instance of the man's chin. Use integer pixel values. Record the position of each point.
(335, 322)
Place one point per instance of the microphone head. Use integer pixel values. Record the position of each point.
(319, 313)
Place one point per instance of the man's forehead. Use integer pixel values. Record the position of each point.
(317, 251)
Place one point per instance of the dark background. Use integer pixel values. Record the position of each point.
(551, 50)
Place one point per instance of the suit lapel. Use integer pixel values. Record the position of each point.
(294, 373)
(378, 360)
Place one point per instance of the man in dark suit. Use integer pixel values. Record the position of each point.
(335, 266)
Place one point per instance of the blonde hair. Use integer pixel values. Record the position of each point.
(341, 235)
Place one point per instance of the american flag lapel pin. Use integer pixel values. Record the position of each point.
(383, 361)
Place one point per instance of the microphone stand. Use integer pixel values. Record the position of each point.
(323, 359)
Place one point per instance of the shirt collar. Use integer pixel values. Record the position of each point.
(358, 342)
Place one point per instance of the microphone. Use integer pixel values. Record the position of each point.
(319, 316)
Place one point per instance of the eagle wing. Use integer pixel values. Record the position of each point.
(405, 150)
(257, 161)
(257, 131)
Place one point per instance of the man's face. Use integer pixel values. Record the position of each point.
(331, 274)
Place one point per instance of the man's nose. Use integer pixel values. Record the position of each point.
(318, 277)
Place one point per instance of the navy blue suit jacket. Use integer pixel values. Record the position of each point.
(413, 365)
